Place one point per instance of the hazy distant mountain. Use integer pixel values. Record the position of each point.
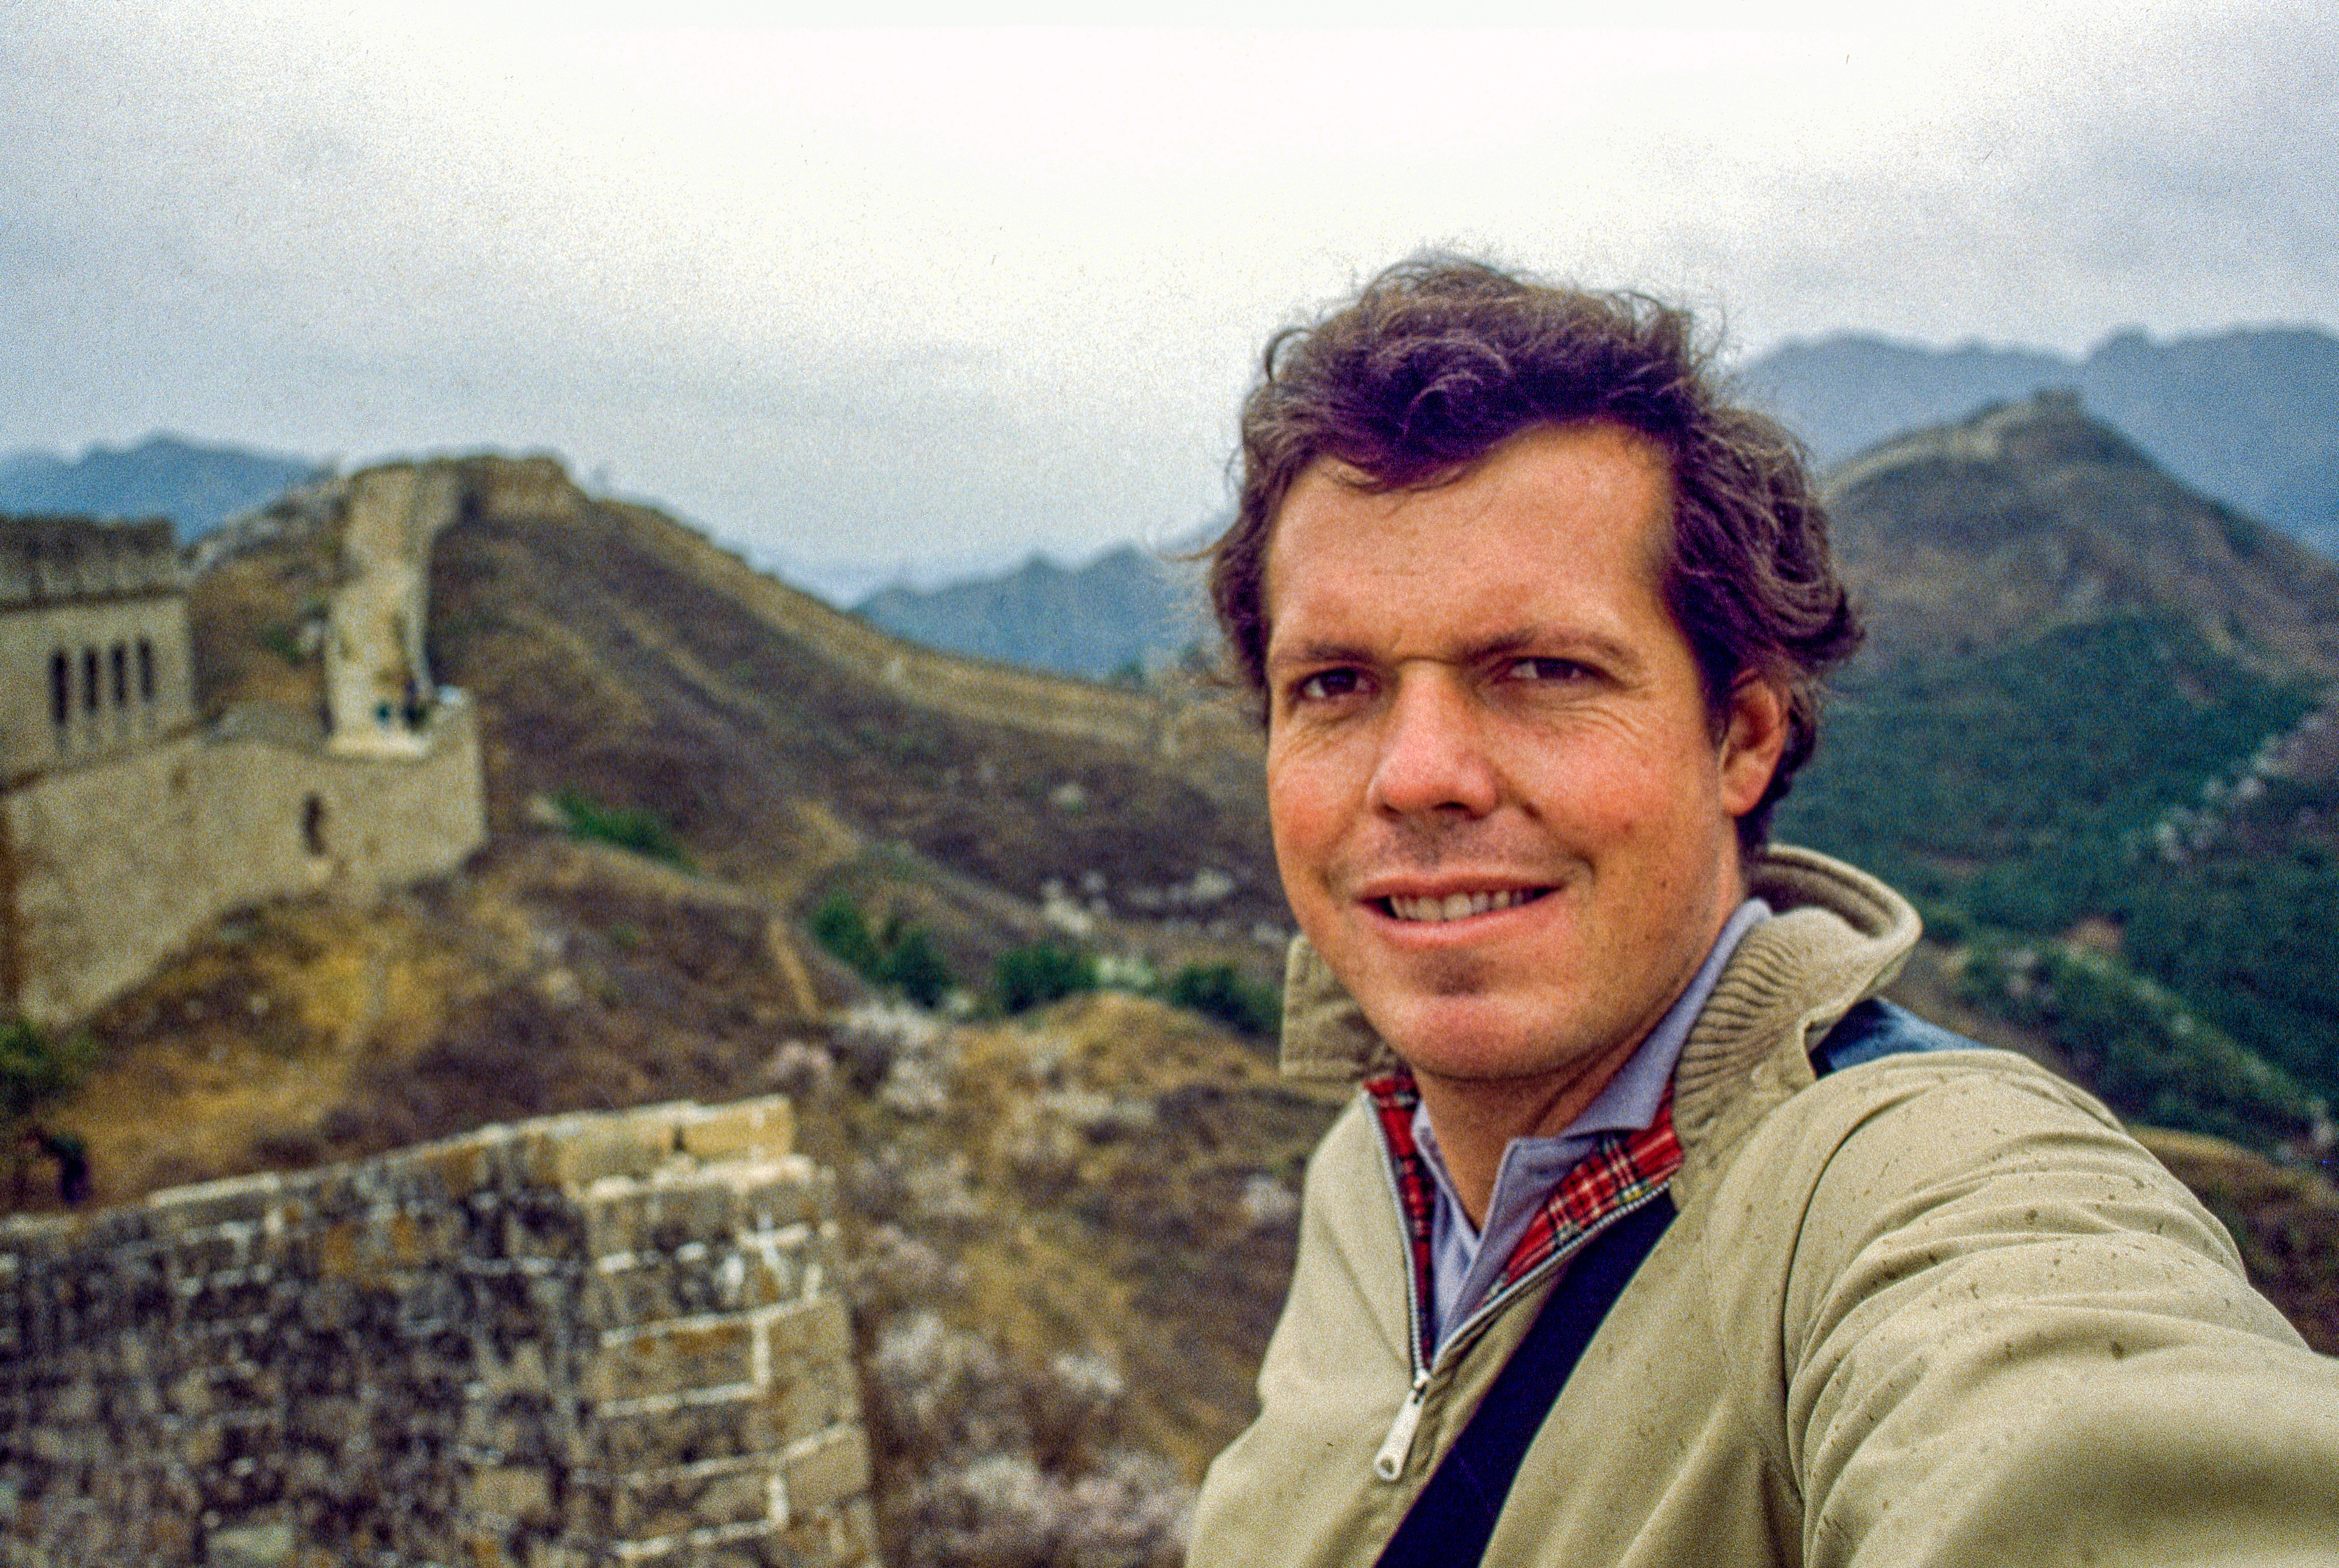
(2250, 416)
(1125, 606)
(195, 486)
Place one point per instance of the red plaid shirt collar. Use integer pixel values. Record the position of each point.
(1622, 1172)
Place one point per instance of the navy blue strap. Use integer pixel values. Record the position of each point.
(1450, 1523)
(1879, 1027)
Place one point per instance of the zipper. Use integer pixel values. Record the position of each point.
(1389, 1462)
(1397, 1446)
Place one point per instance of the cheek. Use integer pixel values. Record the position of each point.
(1305, 829)
(1307, 793)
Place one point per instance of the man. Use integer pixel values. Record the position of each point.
(1538, 621)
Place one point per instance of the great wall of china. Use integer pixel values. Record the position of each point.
(596, 1340)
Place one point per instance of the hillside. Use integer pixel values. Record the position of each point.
(2072, 653)
(2032, 515)
(2249, 416)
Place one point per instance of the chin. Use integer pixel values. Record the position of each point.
(1475, 1038)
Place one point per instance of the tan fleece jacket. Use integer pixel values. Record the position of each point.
(1936, 1310)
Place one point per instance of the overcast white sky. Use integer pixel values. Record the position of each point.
(940, 298)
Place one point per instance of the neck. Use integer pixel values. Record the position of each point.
(1476, 1118)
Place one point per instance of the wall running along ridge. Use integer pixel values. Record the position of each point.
(609, 1339)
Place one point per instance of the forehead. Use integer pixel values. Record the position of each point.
(1562, 514)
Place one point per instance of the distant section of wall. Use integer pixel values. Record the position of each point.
(117, 862)
(49, 560)
(587, 1340)
(376, 680)
(1219, 746)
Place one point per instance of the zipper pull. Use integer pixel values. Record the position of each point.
(1389, 1462)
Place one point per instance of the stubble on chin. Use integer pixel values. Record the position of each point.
(1458, 974)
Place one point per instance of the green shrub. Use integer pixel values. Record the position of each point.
(910, 965)
(1219, 992)
(838, 925)
(2149, 1056)
(36, 1070)
(628, 827)
(1035, 976)
(284, 642)
(900, 958)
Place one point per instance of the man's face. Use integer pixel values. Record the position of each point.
(1499, 811)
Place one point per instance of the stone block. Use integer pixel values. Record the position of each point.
(763, 1129)
(677, 1214)
(682, 1434)
(827, 1472)
(459, 1167)
(815, 1330)
(574, 1152)
(183, 1211)
(522, 1493)
(694, 1497)
(698, 1353)
(264, 1545)
(807, 1398)
(798, 1196)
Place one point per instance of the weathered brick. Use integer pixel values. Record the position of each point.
(683, 1434)
(829, 1472)
(674, 1360)
(694, 1497)
(522, 1493)
(750, 1129)
(576, 1152)
(400, 1356)
(818, 1329)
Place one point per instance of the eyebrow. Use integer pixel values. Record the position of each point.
(1522, 640)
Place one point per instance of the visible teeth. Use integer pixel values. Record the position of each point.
(1456, 905)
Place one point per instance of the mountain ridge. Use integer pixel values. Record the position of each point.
(2249, 415)
(195, 485)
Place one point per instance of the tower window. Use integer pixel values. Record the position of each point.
(121, 660)
(60, 688)
(89, 680)
(145, 671)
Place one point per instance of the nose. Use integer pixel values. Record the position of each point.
(1432, 760)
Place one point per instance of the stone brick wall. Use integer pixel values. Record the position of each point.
(584, 1340)
(108, 868)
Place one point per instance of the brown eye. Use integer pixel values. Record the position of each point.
(1543, 669)
(1326, 686)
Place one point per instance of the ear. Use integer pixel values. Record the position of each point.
(1752, 742)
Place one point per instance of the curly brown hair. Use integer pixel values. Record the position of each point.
(1440, 360)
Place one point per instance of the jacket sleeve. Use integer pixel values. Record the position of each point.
(2009, 1337)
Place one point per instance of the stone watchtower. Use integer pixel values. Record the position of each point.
(125, 825)
(93, 640)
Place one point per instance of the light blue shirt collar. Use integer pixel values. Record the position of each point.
(1464, 1262)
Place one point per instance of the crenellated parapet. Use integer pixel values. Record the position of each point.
(51, 560)
(587, 1340)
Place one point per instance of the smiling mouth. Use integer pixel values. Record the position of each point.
(1458, 905)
